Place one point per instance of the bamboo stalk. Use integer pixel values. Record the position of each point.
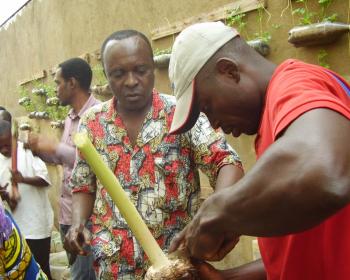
(120, 198)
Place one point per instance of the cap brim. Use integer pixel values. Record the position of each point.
(186, 113)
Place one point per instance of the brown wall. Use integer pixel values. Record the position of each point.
(48, 32)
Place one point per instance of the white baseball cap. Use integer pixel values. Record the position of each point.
(193, 47)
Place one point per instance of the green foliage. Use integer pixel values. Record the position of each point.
(265, 36)
(308, 17)
(236, 19)
(28, 106)
(37, 102)
(331, 18)
(324, 4)
(161, 51)
(98, 75)
(322, 58)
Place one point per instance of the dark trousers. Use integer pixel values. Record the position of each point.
(41, 251)
(82, 268)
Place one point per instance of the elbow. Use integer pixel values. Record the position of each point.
(327, 186)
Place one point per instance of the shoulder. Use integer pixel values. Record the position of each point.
(202, 132)
(294, 73)
(95, 110)
(168, 100)
(26, 154)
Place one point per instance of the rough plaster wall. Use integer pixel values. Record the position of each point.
(48, 32)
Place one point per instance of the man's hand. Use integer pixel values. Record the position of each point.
(41, 144)
(77, 237)
(203, 242)
(206, 271)
(16, 177)
(250, 271)
(5, 195)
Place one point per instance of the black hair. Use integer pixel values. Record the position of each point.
(79, 69)
(5, 115)
(2, 108)
(5, 127)
(123, 34)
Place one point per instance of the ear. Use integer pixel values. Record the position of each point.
(228, 67)
(72, 82)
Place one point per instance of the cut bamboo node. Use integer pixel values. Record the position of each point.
(176, 269)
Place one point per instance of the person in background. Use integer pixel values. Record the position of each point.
(296, 197)
(5, 115)
(73, 79)
(33, 211)
(159, 172)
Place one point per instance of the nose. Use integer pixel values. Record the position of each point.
(131, 80)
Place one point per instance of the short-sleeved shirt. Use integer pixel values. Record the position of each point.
(65, 155)
(33, 213)
(322, 252)
(16, 259)
(159, 174)
(63, 152)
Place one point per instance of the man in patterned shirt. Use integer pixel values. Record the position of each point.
(158, 171)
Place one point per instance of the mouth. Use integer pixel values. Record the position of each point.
(133, 96)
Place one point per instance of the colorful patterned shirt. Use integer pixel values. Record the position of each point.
(159, 174)
(16, 259)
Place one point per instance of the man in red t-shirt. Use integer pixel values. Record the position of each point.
(296, 197)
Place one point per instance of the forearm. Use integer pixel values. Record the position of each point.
(35, 181)
(251, 271)
(285, 192)
(83, 206)
(48, 157)
(227, 176)
(66, 154)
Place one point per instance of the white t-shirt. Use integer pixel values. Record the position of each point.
(33, 214)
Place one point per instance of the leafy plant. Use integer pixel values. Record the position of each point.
(98, 75)
(322, 58)
(236, 19)
(161, 51)
(324, 6)
(265, 36)
(24, 93)
(276, 26)
(37, 102)
(308, 17)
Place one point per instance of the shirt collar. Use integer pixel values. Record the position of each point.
(91, 101)
(112, 113)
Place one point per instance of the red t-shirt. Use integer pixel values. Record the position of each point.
(322, 252)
